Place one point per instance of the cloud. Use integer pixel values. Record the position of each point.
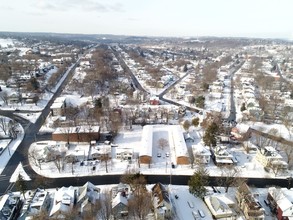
(84, 5)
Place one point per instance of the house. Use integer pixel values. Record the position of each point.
(248, 204)
(123, 153)
(77, 152)
(63, 203)
(100, 152)
(88, 195)
(220, 206)
(281, 202)
(221, 156)
(57, 108)
(10, 206)
(76, 134)
(154, 100)
(268, 156)
(120, 196)
(37, 202)
(201, 154)
(161, 201)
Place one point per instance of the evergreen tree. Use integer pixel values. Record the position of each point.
(20, 185)
(209, 137)
(243, 108)
(197, 183)
(185, 68)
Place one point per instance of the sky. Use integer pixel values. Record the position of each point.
(182, 18)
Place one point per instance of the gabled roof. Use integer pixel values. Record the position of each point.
(282, 201)
(90, 191)
(119, 198)
(63, 200)
(161, 193)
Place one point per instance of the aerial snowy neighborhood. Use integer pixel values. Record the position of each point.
(105, 127)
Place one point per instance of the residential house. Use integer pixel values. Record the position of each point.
(201, 154)
(88, 195)
(57, 108)
(37, 202)
(280, 203)
(64, 200)
(221, 156)
(269, 156)
(220, 206)
(250, 207)
(154, 100)
(100, 152)
(161, 201)
(10, 206)
(123, 153)
(77, 152)
(120, 195)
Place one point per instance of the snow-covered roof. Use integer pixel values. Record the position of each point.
(199, 149)
(282, 201)
(119, 198)
(218, 206)
(176, 140)
(39, 198)
(63, 200)
(147, 141)
(78, 129)
(90, 191)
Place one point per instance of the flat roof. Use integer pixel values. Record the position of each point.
(78, 129)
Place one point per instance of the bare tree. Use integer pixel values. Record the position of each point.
(162, 142)
(4, 96)
(4, 125)
(186, 125)
(134, 179)
(105, 157)
(57, 158)
(35, 158)
(287, 120)
(230, 177)
(276, 167)
(288, 150)
(42, 215)
(140, 204)
(105, 204)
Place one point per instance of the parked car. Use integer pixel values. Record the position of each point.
(201, 213)
(190, 203)
(195, 215)
(159, 154)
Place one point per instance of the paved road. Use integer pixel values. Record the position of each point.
(21, 156)
(31, 130)
(232, 115)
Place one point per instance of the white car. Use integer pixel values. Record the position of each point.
(195, 215)
(201, 213)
